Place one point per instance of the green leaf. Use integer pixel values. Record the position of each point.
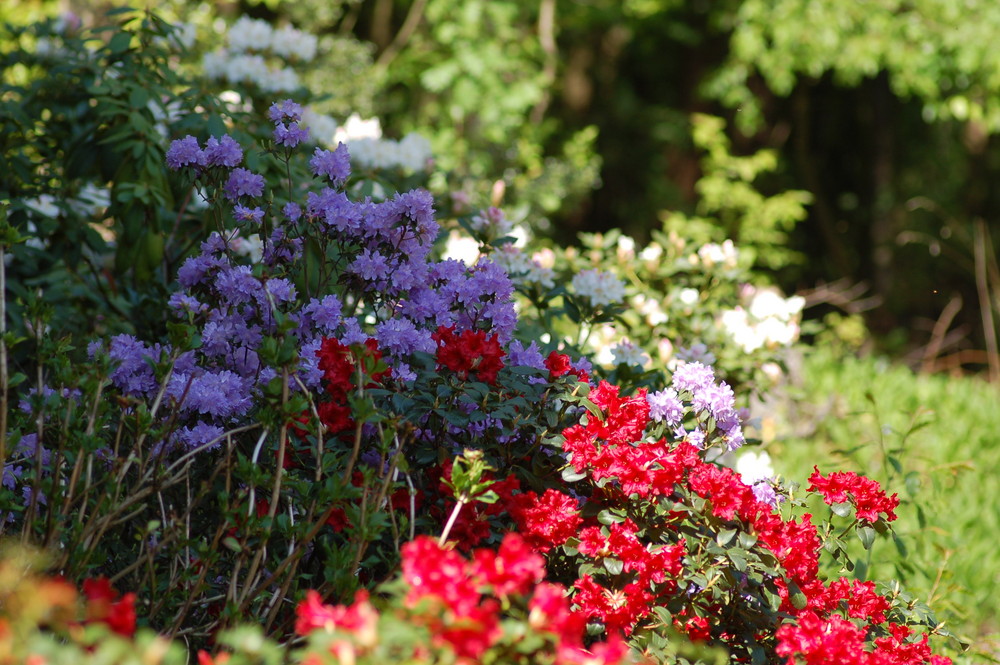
(613, 566)
(726, 537)
(867, 536)
(900, 545)
(795, 594)
(120, 43)
(841, 509)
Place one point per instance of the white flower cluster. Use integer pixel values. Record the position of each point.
(364, 141)
(629, 353)
(460, 247)
(754, 467)
(523, 269)
(650, 309)
(598, 286)
(711, 254)
(769, 320)
(243, 60)
(322, 128)
(252, 246)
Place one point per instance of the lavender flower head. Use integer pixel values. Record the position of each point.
(334, 165)
(223, 152)
(243, 182)
(279, 111)
(664, 406)
(692, 377)
(185, 152)
(290, 135)
(245, 214)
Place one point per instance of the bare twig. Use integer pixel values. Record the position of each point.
(410, 23)
(940, 329)
(985, 302)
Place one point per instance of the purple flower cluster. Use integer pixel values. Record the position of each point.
(186, 152)
(252, 215)
(664, 406)
(385, 244)
(716, 400)
(243, 182)
(335, 165)
(288, 134)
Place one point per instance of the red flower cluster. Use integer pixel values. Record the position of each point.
(458, 601)
(104, 606)
(472, 354)
(311, 614)
(816, 640)
(837, 623)
(559, 364)
(340, 374)
(653, 572)
(545, 521)
(864, 493)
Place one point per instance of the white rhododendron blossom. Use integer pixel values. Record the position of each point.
(364, 141)
(602, 340)
(523, 269)
(411, 153)
(322, 128)
(650, 309)
(754, 467)
(461, 247)
(689, 297)
(357, 128)
(726, 254)
(629, 353)
(768, 320)
(287, 42)
(625, 248)
(252, 247)
(599, 287)
(243, 59)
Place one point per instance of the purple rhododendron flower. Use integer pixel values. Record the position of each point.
(243, 182)
(185, 152)
(289, 135)
(133, 374)
(223, 152)
(285, 109)
(324, 314)
(664, 406)
(692, 377)
(400, 337)
(246, 214)
(335, 165)
(370, 265)
(281, 249)
(199, 435)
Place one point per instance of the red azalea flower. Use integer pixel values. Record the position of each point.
(360, 618)
(545, 521)
(818, 641)
(866, 494)
(471, 354)
(513, 569)
(104, 606)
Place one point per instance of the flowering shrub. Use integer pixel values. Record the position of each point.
(339, 403)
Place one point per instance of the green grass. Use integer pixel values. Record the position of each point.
(933, 439)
